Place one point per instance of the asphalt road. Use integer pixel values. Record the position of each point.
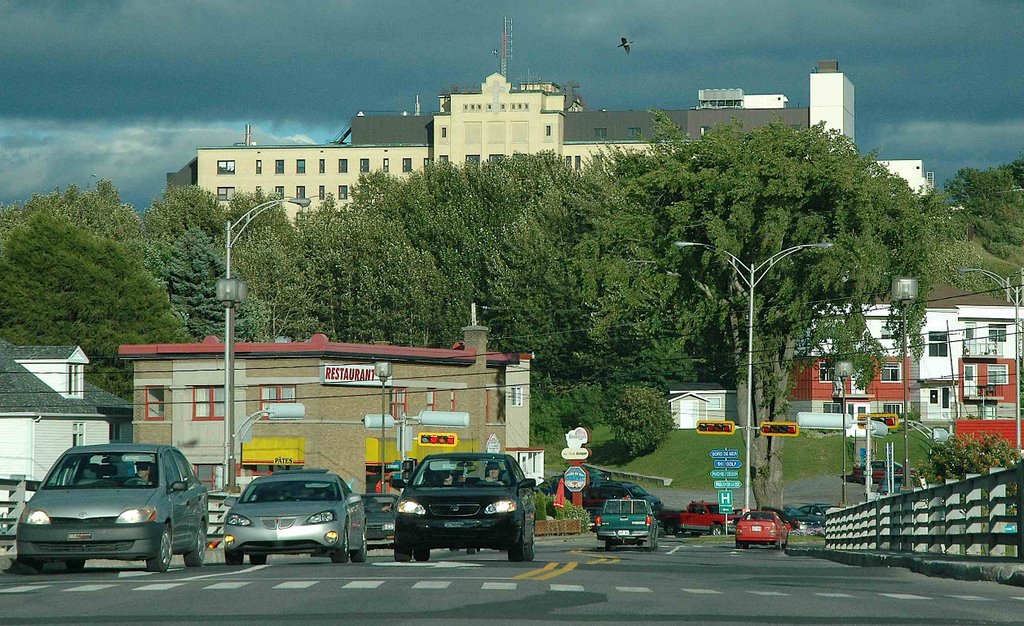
(570, 582)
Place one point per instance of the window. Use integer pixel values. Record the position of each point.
(387, 165)
(225, 193)
(271, 394)
(938, 344)
(547, 130)
(207, 403)
(343, 166)
(997, 333)
(892, 407)
(452, 397)
(259, 166)
(600, 133)
(78, 434)
(226, 168)
(473, 159)
(577, 162)
(279, 191)
(826, 373)
(430, 399)
(343, 192)
(714, 403)
(633, 132)
(279, 166)
(75, 382)
(323, 166)
(406, 165)
(443, 158)
(399, 402)
(891, 372)
(154, 407)
(887, 331)
(364, 165)
(426, 162)
(300, 191)
(568, 161)
(322, 193)
(998, 375)
(444, 132)
(831, 407)
(300, 166)
(516, 394)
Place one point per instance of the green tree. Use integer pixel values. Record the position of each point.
(643, 420)
(958, 456)
(991, 207)
(66, 286)
(191, 277)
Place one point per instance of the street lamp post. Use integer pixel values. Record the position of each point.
(383, 371)
(232, 292)
(751, 275)
(844, 369)
(1014, 294)
(904, 291)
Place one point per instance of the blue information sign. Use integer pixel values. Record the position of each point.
(575, 478)
(724, 453)
(728, 464)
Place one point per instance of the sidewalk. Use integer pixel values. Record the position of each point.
(1007, 571)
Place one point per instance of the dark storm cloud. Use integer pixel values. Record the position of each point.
(92, 86)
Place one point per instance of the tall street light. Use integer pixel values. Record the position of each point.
(751, 275)
(1014, 294)
(844, 369)
(383, 371)
(231, 292)
(904, 291)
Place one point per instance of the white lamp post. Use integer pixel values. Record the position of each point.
(1014, 294)
(751, 275)
(904, 291)
(232, 292)
(844, 369)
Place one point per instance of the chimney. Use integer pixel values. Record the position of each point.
(828, 66)
(476, 339)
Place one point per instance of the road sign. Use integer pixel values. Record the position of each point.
(724, 453)
(493, 445)
(724, 499)
(721, 473)
(725, 509)
(728, 484)
(575, 478)
(728, 463)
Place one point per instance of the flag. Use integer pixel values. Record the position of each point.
(560, 494)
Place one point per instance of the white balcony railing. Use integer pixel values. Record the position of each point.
(983, 347)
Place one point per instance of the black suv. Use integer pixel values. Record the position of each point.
(465, 500)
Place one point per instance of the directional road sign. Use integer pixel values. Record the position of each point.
(728, 463)
(728, 484)
(724, 500)
(724, 453)
(721, 473)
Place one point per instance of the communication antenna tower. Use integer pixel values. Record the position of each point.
(506, 46)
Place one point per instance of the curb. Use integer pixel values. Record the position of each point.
(1003, 573)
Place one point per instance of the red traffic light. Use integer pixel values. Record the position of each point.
(439, 439)
(891, 420)
(715, 427)
(780, 429)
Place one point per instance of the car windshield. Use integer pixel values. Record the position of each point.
(625, 507)
(104, 470)
(290, 491)
(456, 473)
(379, 504)
(758, 515)
(636, 491)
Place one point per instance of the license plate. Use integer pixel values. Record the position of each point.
(454, 524)
(79, 536)
(622, 532)
(755, 528)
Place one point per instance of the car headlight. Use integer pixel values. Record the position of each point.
(501, 506)
(234, 519)
(411, 507)
(34, 516)
(388, 526)
(321, 518)
(137, 516)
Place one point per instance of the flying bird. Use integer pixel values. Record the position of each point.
(624, 45)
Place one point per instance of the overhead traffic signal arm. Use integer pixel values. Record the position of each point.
(716, 427)
(780, 429)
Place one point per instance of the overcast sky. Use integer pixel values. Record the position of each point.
(126, 90)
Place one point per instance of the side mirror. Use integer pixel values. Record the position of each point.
(528, 483)
(230, 501)
(178, 485)
(354, 498)
(398, 482)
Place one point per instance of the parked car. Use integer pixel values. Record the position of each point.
(804, 523)
(128, 502)
(380, 517)
(627, 522)
(697, 518)
(307, 511)
(761, 527)
(595, 495)
(816, 508)
(878, 473)
(465, 500)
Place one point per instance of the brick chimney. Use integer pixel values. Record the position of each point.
(476, 339)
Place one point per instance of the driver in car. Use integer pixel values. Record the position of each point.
(143, 474)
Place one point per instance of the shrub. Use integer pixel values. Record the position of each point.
(571, 511)
(643, 420)
(959, 456)
(540, 501)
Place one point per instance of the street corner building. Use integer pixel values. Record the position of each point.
(481, 398)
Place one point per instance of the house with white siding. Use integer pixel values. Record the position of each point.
(691, 402)
(46, 407)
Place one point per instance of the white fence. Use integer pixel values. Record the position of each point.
(982, 515)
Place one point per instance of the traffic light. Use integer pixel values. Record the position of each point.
(439, 439)
(780, 429)
(891, 420)
(716, 427)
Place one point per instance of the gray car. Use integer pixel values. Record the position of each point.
(115, 501)
(295, 512)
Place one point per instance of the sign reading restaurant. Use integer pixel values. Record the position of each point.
(349, 375)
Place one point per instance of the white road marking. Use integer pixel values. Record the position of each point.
(673, 550)
(834, 595)
(973, 598)
(432, 584)
(23, 588)
(767, 593)
(229, 585)
(89, 587)
(231, 573)
(499, 586)
(554, 587)
(432, 564)
(133, 574)
(363, 584)
(704, 591)
(296, 584)
(633, 589)
(904, 596)
(158, 587)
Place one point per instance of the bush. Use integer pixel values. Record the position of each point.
(643, 420)
(540, 502)
(959, 456)
(571, 511)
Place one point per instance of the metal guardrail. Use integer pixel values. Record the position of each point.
(980, 516)
(615, 474)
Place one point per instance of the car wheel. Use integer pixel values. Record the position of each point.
(402, 554)
(341, 554)
(529, 550)
(75, 565)
(197, 556)
(744, 545)
(717, 530)
(609, 545)
(233, 557)
(162, 560)
(257, 559)
(359, 555)
(421, 554)
(27, 567)
(470, 551)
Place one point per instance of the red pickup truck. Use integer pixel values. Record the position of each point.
(698, 518)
